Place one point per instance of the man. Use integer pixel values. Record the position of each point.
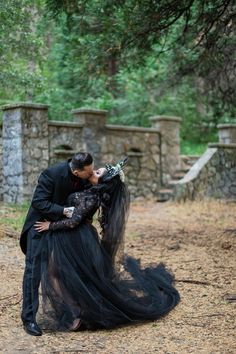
(48, 202)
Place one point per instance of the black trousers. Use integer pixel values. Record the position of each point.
(32, 275)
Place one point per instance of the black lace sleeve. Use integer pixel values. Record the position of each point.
(86, 208)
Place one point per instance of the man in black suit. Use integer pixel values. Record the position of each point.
(48, 202)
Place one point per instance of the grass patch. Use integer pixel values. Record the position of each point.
(13, 215)
(190, 148)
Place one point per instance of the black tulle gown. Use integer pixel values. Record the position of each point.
(80, 280)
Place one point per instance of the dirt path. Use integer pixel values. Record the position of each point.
(197, 241)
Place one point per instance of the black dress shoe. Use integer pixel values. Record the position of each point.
(32, 328)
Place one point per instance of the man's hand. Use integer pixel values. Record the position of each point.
(41, 226)
(68, 212)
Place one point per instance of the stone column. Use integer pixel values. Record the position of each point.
(169, 127)
(94, 131)
(25, 149)
(227, 133)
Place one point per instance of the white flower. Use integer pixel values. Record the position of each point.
(122, 176)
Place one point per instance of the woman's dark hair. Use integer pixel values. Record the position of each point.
(113, 213)
(80, 160)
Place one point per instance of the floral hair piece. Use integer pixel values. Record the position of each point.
(112, 171)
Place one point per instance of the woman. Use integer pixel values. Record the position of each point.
(78, 267)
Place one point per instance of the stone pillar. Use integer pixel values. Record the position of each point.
(169, 128)
(25, 149)
(227, 133)
(94, 131)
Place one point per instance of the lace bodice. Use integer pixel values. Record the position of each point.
(86, 204)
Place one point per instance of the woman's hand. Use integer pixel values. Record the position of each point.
(41, 226)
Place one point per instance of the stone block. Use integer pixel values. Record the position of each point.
(90, 117)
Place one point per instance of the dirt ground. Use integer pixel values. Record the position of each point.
(197, 241)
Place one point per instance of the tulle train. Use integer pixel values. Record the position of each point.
(79, 281)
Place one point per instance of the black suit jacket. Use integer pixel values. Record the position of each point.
(54, 186)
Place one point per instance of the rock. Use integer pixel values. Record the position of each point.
(226, 245)
(174, 246)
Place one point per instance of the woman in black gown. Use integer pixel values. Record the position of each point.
(80, 281)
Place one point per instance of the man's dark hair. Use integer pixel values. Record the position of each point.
(80, 160)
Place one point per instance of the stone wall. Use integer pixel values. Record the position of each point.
(31, 143)
(212, 176)
(65, 139)
(142, 146)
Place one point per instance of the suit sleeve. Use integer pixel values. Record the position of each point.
(42, 198)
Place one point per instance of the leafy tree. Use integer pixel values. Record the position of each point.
(201, 32)
(136, 58)
(139, 58)
(20, 45)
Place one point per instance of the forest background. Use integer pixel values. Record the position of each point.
(134, 58)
